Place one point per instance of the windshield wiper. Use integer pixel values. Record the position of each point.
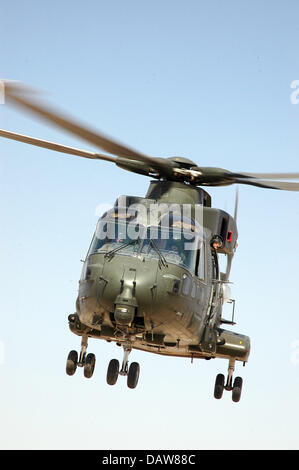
(122, 245)
(160, 254)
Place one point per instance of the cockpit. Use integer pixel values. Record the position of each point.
(174, 240)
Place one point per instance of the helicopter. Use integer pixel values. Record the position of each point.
(151, 278)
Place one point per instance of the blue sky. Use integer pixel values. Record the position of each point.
(210, 81)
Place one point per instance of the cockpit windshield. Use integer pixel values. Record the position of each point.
(173, 245)
(113, 236)
(177, 243)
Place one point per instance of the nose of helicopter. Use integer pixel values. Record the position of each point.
(123, 286)
(129, 284)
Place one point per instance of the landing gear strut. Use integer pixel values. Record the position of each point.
(131, 372)
(85, 361)
(235, 387)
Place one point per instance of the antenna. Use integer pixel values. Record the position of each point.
(236, 203)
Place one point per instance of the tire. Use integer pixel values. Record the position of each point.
(237, 389)
(89, 365)
(219, 386)
(112, 372)
(133, 375)
(71, 363)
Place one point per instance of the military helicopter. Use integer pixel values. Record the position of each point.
(151, 279)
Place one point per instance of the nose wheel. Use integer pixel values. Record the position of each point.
(132, 372)
(133, 375)
(112, 372)
(87, 361)
(234, 386)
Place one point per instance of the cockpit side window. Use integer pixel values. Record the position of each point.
(201, 262)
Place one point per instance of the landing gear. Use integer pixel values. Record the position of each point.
(89, 365)
(112, 372)
(235, 387)
(132, 372)
(85, 361)
(219, 386)
(133, 375)
(71, 363)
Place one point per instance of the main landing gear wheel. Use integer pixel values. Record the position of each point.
(235, 387)
(71, 363)
(219, 386)
(86, 361)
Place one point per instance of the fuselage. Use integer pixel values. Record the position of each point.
(169, 303)
(163, 292)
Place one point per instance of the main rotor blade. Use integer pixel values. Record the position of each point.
(287, 176)
(54, 146)
(206, 176)
(285, 186)
(22, 96)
